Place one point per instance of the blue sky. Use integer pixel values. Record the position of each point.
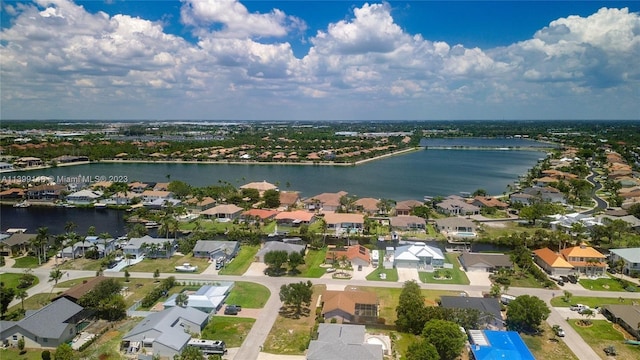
(320, 60)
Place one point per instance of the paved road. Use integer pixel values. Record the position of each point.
(251, 346)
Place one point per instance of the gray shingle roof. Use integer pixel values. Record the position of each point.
(630, 254)
(165, 328)
(338, 342)
(46, 322)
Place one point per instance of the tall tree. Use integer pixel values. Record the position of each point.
(411, 315)
(271, 198)
(295, 259)
(182, 299)
(446, 337)
(22, 294)
(526, 313)
(6, 297)
(275, 259)
(297, 295)
(41, 241)
(422, 350)
(55, 275)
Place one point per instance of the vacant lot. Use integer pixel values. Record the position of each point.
(547, 345)
(168, 265)
(602, 334)
(241, 263)
(232, 330)
(592, 302)
(248, 295)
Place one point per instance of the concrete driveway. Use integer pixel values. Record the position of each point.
(256, 269)
(479, 278)
(408, 275)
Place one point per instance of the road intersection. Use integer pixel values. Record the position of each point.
(265, 319)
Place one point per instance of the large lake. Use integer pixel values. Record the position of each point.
(431, 172)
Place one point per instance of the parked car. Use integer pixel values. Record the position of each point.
(578, 307)
(572, 279)
(231, 310)
(558, 330)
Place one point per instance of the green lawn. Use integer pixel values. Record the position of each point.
(602, 334)
(81, 264)
(232, 330)
(168, 265)
(313, 260)
(601, 284)
(547, 346)
(388, 299)
(14, 354)
(26, 262)
(392, 274)
(590, 301)
(241, 263)
(248, 295)
(457, 276)
(11, 280)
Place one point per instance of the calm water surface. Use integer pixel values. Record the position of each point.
(430, 172)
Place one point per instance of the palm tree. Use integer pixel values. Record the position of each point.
(182, 299)
(22, 294)
(55, 275)
(104, 236)
(69, 226)
(40, 241)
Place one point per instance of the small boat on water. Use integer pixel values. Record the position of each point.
(151, 224)
(186, 267)
(100, 205)
(22, 204)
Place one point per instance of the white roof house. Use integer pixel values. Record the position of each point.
(631, 258)
(208, 298)
(419, 256)
(83, 196)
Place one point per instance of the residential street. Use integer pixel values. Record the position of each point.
(267, 316)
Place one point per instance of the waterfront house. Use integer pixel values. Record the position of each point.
(528, 195)
(627, 316)
(485, 262)
(122, 198)
(261, 186)
(165, 333)
(357, 255)
(149, 196)
(554, 264)
(489, 309)
(16, 244)
(54, 324)
(586, 260)
(367, 205)
(496, 344)
(342, 223)
(489, 202)
(216, 249)
(404, 208)
(289, 199)
(84, 197)
(278, 246)
(46, 192)
(138, 187)
(295, 218)
(226, 212)
(350, 306)
(630, 257)
(456, 227)
(324, 201)
(343, 342)
(456, 205)
(418, 256)
(200, 204)
(261, 215)
(208, 298)
(12, 193)
(27, 161)
(407, 222)
(149, 246)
